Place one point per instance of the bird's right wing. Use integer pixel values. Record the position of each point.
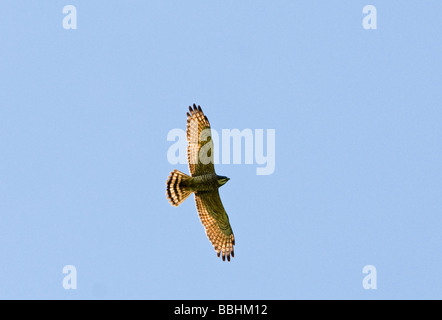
(216, 222)
(200, 144)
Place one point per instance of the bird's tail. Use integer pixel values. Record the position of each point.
(177, 187)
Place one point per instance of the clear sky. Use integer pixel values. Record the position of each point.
(84, 118)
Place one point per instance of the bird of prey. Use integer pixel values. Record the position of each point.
(204, 183)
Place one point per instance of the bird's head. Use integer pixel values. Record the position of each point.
(222, 180)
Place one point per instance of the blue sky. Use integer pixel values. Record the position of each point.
(84, 118)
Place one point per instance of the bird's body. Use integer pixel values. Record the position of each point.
(204, 183)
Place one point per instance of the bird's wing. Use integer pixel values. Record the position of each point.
(200, 144)
(216, 222)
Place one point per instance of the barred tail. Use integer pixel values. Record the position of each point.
(177, 190)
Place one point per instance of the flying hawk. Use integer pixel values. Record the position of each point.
(204, 183)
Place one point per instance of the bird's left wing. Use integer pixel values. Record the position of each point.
(216, 222)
